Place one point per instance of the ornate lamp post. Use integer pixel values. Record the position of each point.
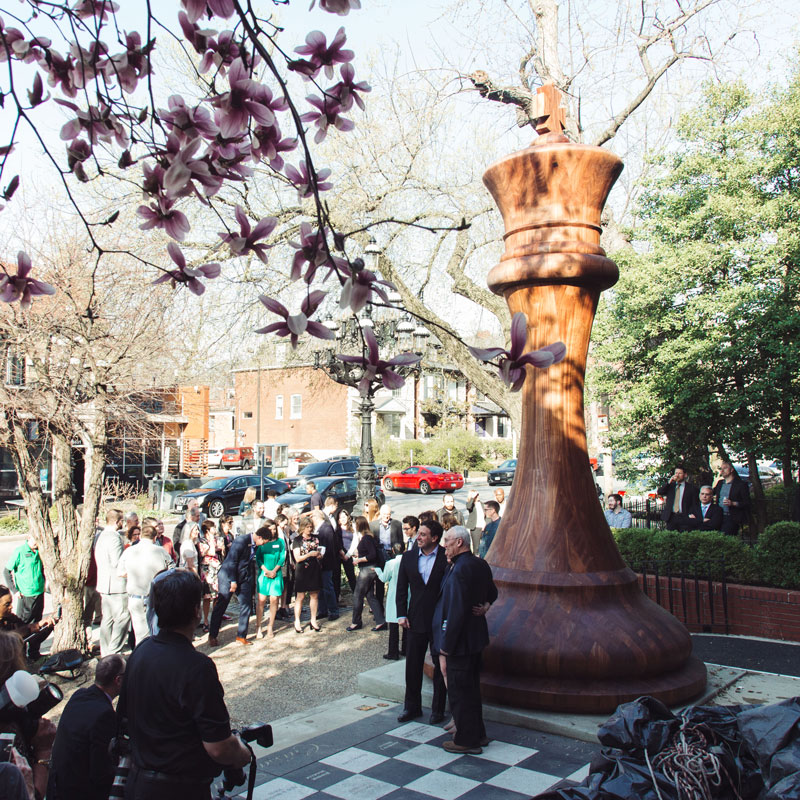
(349, 333)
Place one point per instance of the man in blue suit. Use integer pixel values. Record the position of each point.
(460, 634)
(237, 575)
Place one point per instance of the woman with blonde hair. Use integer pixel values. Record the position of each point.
(247, 500)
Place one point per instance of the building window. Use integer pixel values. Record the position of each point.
(502, 427)
(279, 406)
(15, 369)
(296, 410)
(247, 414)
(394, 424)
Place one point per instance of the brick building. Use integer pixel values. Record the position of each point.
(293, 405)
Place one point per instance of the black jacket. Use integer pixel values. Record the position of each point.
(456, 630)
(239, 564)
(395, 530)
(690, 496)
(419, 609)
(81, 766)
(712, 520)
(327, 538)
(740, 494)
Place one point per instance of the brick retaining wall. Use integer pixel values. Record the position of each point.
(752, 610)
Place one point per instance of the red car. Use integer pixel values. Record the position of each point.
(424, 479)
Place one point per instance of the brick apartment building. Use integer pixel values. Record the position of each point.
(293, 405)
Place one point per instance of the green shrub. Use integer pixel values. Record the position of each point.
(778, 552)
(10, 525)
(741, 561)
(779, 501)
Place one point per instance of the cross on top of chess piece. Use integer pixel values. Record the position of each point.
(550, 114)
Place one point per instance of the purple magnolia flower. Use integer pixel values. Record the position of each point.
(512, 362)
(268, 145)
(295, 325)
(132, 65)
(219, 8)
(99, 122)
(346, 91)
(60, 71)
(324, 55)
(301, 178)
(161, 214)
(187, 275)
(197, 37)
(375, 367)
(247, 241)
(184, 169)
(191, 120)
(340, 7)
(20, 286)
(311, 250)
(86, 9)
(247, 98)
(360, 285)
(328, 112)
(220, 52)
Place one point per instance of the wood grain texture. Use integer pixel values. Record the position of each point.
(571, 630)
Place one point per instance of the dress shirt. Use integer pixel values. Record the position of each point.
(385, 533)
(425, 564)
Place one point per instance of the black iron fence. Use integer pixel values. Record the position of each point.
(646, 513)
(695, 592)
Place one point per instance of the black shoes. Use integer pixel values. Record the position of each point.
(436, 718)
(407, 715)
(390, 657)
(382, 627)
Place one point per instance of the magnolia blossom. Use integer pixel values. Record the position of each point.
(20, 286)
(161, 214)
(247, 98)
(360, 285)
(248, 239)
(295, 325)
(311, 250)
(302, 180)
(512, 362)
(324, 55)
(375, 367)
(340, 7)
(346, 91)
(327, 113)
(190, 120)
(220, 52)
(196, 8)
(86, 9)
(190, 276)
(268, 145)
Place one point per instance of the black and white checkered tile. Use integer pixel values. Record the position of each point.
(377, 758)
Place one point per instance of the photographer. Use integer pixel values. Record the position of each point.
(172, 699)
(12, 623)
(34, 734)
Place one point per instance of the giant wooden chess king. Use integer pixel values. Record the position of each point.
(571, 630)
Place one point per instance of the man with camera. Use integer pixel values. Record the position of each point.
(80, 765)
(179, 728)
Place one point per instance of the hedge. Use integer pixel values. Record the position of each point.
(773, 561)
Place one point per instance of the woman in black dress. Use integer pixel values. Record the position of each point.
(308, 572)
(366, 558)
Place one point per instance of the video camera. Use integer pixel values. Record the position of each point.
(261, 734)
(24, 699)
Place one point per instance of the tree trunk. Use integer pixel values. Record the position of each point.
(759, 512)
(786, 439)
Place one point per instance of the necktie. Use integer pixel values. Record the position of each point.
(676, 503)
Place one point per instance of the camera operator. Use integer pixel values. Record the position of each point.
(33, 733)
(34, 632)
(172, 699)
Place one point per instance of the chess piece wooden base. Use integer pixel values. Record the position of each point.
(571, 630)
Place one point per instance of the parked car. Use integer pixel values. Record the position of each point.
(504, 473)
(222, 495)
(237, 457)
(337, 465)
(769, 477)
(343, 488)
(424, 479)
(301, 457)
(215, 458)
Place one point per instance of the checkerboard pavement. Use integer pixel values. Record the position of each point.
(377, 757)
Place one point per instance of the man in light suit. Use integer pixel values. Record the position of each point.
(388, 532)
(111, 586)
(460, 634)
(420, 574)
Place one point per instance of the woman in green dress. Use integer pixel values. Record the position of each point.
(270, 557)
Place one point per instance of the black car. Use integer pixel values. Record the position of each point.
(223, 495)
(322, 469)
(342, 488)
(504, 473)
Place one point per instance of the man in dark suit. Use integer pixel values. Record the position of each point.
(733, 497)
(706, 515)
(679, 496)
(323, 530)
(421, 571)
(237, 576)
(460, 634)
(80, 763)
